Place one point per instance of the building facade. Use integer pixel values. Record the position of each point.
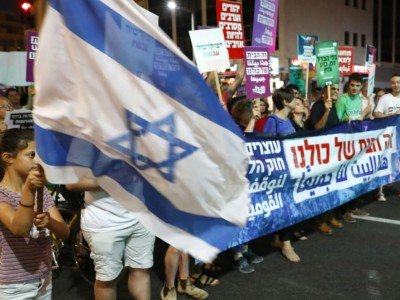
(354, 23)
(12, 35)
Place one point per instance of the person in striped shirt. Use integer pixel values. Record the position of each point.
(25, 241)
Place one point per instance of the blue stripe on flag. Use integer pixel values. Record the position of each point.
(57, 153)
(88, 20)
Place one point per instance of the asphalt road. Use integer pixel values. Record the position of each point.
(360, 261)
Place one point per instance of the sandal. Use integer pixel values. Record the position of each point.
(204, 279)
(300, 234)
(210, 269)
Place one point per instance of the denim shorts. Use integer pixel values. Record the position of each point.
(35, 289)
(113, 250)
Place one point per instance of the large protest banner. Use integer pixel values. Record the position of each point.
(229, 18)
(257, 72)
(265, 24)
(130, 110)
(327, 63)
(295, 178)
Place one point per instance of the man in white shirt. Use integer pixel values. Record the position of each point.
(116, 240)
(389, 104)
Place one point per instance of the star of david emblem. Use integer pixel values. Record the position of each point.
(164, 129)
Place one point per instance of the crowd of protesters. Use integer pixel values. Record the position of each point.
(117, 240)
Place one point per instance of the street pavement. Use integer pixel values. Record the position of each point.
(360, 261)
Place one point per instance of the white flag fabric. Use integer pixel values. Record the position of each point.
(117, 100)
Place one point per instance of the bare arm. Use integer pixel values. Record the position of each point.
(20, 222)
(238, 80)
(57, 224)
(86, 184)
(382, 115)
(366, 112)
(255, 115)
(322, 122)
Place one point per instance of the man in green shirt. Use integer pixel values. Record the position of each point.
(349, 105)
(349, 108)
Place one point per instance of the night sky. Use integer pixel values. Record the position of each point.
(9, 5)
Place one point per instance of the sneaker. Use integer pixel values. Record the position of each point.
(192, 290)
(325, 229)
(252, 257)
(170, 295)
(336, 223)
(244, 267)
(381, 197)
(359, 212)
(347, 217)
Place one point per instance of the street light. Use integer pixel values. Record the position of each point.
(171, 4)
(25, 6)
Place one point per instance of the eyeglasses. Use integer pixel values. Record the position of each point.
(5, 105)
(334, 89)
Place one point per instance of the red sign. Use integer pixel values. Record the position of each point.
(346, 60)
(360, 69)
(229, 18)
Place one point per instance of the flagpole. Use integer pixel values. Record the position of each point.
(218, 87)
(329, 91)
(39, 9)
(306, 87)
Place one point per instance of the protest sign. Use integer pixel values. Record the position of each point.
(327, 63)
(370, 56)
(265, 24)
(346, 58)
(296, 77)
(274, 65)
(295, 178)
(32, 47)
(19, 118)
(209, 49)
(257, 72)
(229, 19)
(360, 69)
(371, 80)
(306, 48)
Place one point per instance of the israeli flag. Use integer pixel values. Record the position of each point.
(118, 101)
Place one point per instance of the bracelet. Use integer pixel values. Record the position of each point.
(27, 206)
